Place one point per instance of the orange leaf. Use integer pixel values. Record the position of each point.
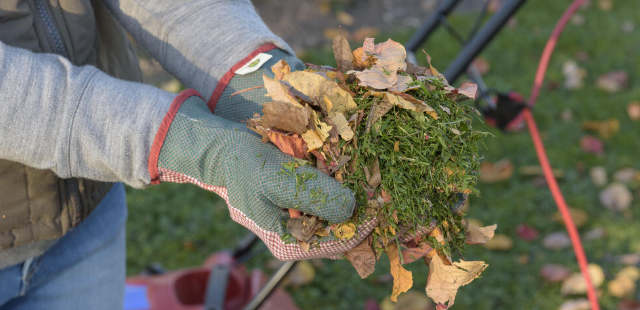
(291, 144)
(402, 278)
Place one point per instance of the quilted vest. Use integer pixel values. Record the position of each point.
(36, 205)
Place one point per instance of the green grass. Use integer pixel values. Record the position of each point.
(179, 225)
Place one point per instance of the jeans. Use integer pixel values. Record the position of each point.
(85, 269)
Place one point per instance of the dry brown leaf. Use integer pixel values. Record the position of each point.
(496, 172)
(319, 132)
(575, 283)
(402, 101)
(576, 304)
(573, 75)
(499, 242)
(469, 90)
(445, 280)
(616, 197)
(285, 116)
(402, 84)
(578, 216)
(280, 69)
(481, 64)
(344, 130)
(362, 258)
(411, 254)
(361, 60)
(372, 174)
(390, 55)
(304, 227)
(278, 91)
(598, 175)
(344, 231)
(556, 241)
(633, 109)
(613, 81)
(291, 144)
(480, 235)
(317, 87)
(402, 278)
(554, 272)
(377, 79)
(342, 54)
(605, 129)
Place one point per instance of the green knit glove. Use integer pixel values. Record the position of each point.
(255, 178)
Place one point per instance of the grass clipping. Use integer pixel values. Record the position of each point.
(400, 137)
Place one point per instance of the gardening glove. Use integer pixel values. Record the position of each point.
(254, 178)
(244, 94)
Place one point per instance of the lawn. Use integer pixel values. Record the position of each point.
(180, 225)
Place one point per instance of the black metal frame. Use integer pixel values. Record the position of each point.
(460, 65)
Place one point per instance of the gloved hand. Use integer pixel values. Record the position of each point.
(255, 178)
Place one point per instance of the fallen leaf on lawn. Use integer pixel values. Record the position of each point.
(376, 78)
(598, 176)
(495, 172)
(342, 53)
(344, 231)
(364, 32)
(291, 144)
(616, 197)
(362, 258)
(526, 232)
(621, 287)
(605, 129)
(537, 171)
(613, 81)
(573, 75)
(592, 145)
(595, 234)
(480, 235)
(445, 280)
(626, 175)
(481, 64)
(361, 59)
(578, 19)
(633, 109)
(576, 304)
(342, 125)
(556, 241)
(390, 55)
(402, 278)
(402, 84)
(629, 305)
(304, 227)
(316, 87)
(344, 18)
(575, 283)
(499, 242)
(407, 102)
(303, 273)
(412, 300)
(554, 272)
(285, 116)
(372, 174)
(629, 259)
(417, 69)
(280, 69)
(605, 5)
(331, 33)
(578, 216)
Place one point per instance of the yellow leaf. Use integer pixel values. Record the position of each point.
(445, 280)
(499, 242)
(312, 140)
(342, 125)
(315, 86)
(402, 278)
(414, 105)
(480, 235)
(280, 69)
(344, 231)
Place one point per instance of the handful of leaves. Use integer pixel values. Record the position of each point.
(396, 135)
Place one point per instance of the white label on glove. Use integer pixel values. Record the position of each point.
(254, 64)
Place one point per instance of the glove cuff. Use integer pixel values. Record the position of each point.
(226, 78)
(161, 134)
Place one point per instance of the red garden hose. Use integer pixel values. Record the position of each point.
(542, 156)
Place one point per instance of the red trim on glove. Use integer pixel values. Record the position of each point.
(158, 141)
(226, 78)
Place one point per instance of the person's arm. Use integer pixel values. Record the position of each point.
(198, 41)
(76, 121)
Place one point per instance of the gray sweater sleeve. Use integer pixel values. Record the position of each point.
(76, 121)
(197, 41)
